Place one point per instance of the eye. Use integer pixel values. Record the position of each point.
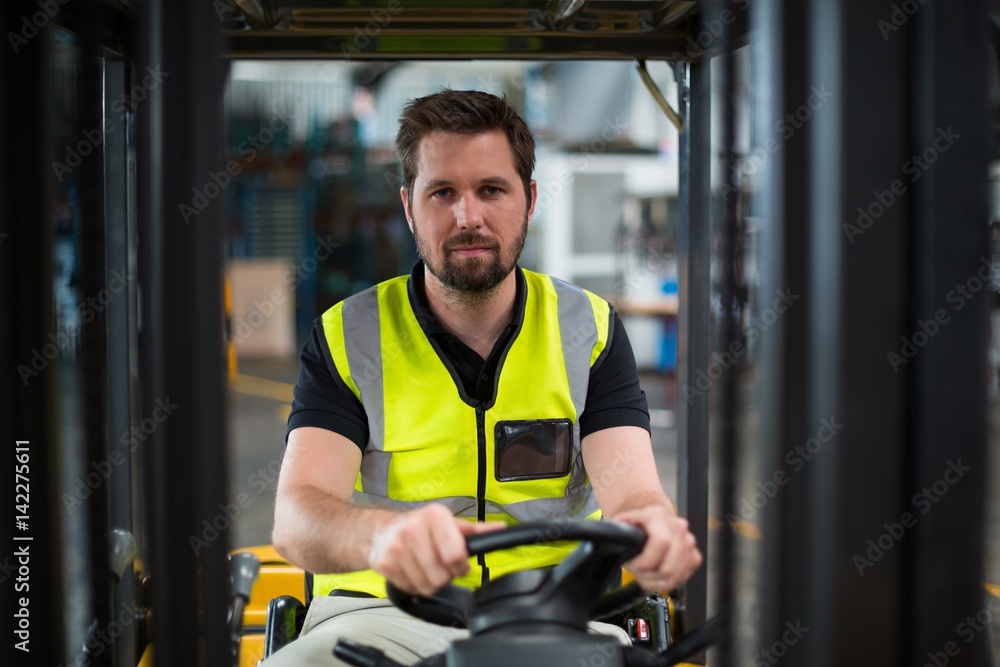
(492, 190)
(441, 194)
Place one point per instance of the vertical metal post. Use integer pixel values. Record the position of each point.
(729, 334)
(30, 409)
(693, 320)
(855, 307)
(781, 84)
(948, 427)
(121, 317)
(93, 358)
(862, 408)
(182, 332)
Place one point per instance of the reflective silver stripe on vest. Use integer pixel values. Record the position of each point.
(363, 344)
(577, 506)
(459, 505)
(528, 510)
(579, 335)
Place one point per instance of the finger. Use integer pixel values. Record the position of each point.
(419, 557)
(684, 559)
(480, 527)
(654, 584)
(680, 562)
(449, 542)
(387, 560)
(659, 540)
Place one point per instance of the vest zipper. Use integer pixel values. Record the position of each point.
(481, 484)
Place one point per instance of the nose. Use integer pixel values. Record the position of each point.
(468, 212)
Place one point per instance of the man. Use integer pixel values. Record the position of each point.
(467, 395)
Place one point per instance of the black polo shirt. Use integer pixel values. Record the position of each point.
(614, 397)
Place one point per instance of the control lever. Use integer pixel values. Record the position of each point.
(243, 570)
(121, 552)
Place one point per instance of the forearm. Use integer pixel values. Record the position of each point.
(638, 499)
(323, 534)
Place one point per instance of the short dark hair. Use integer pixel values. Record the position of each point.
(463, 112)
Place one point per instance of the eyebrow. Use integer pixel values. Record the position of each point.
(437, 184)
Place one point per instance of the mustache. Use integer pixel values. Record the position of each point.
(471, 240)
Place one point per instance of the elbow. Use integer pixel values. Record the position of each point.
(283, 535)
(282, 542)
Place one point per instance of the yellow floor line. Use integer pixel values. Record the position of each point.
(264, 388)
(744, 528)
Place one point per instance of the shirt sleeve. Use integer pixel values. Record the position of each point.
(614, 397)
(321, 398)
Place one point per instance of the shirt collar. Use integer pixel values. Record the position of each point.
(429, 322)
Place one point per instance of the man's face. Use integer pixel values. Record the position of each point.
(469, 215)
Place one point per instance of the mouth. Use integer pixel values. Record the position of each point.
(472, 251)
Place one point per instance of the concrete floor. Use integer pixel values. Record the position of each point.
(259, 406)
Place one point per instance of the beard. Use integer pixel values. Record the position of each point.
(472, 275)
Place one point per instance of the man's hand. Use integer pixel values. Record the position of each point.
(670, 556)
(423, 550)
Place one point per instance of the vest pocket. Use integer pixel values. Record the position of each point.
(532, 449)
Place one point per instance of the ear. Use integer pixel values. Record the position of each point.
(534, 199)
(406, 208)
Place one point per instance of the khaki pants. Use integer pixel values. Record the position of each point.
(376, 622)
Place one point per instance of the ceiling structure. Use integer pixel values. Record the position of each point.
(422, 29)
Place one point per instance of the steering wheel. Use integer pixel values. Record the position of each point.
(564, 597)
(539, 617)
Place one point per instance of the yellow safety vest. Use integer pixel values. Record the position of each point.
(430, 443)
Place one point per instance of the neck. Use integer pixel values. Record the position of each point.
(476, 318)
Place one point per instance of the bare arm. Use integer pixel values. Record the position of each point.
(622, 471)
(317, 528)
